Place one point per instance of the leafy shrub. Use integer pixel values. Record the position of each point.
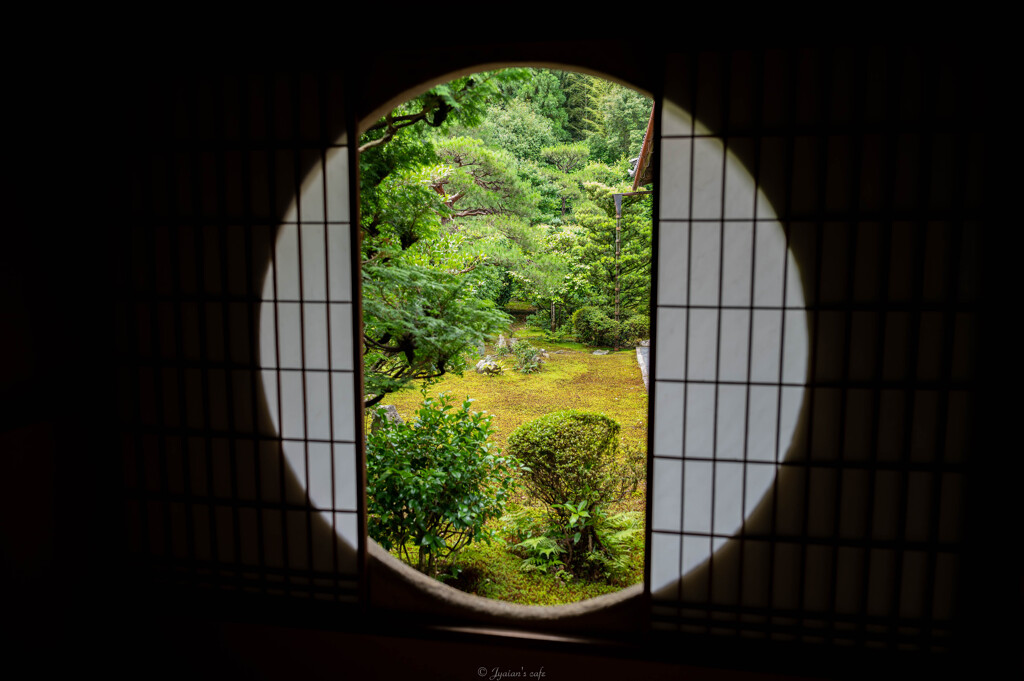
(541, 553)
(435, 481)
(621, 538)
(567, 452)
(540, 320)
(527, 357)
(635, 329)
(541, 546)
(606, 331)
(575, 319)
(594, 327)
(582, 323)
(572, 465)
(560, 335)
(532, 541)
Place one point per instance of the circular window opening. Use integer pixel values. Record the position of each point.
(707, 330)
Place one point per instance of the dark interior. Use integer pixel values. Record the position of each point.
(86, 181)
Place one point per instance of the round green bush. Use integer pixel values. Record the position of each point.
(594, 327)
(606, 331)
(569, 454)
(589, 322)
(635, 329)
(572, 465)
(576, 320)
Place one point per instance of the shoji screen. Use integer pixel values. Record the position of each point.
(812, 361)
(242, 468)
(812, 367)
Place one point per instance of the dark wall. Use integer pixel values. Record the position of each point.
(73, 591)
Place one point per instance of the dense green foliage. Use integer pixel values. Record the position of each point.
(631, 271)
(422, 306)
(490, 188)
(536, 576)
(635, 329)
(572, 378)
(593, 325)
(573, 467)
(435, 482)
(527, 357)
(568, 453)
(483, 199)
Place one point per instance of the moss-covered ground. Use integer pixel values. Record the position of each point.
(571, 378)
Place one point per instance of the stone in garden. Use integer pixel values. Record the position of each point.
(488, 366)
(645, 343)
(390, 413)
(600, 352)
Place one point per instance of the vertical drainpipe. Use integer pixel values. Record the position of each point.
(618, 245)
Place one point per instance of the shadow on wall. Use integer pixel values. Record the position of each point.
(867, 399)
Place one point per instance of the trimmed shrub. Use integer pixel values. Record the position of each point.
(567, 452)
(635, 329)
(606, 331)
(572, 465)
(434, 482)
(585, 322)
(594, 327)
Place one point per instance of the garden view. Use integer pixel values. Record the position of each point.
(502, 302)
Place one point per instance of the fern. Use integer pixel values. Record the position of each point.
(541, 553)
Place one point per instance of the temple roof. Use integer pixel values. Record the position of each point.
(643, 172)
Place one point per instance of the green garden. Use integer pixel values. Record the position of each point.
(494, 264)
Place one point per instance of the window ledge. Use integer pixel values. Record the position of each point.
(397, 586)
